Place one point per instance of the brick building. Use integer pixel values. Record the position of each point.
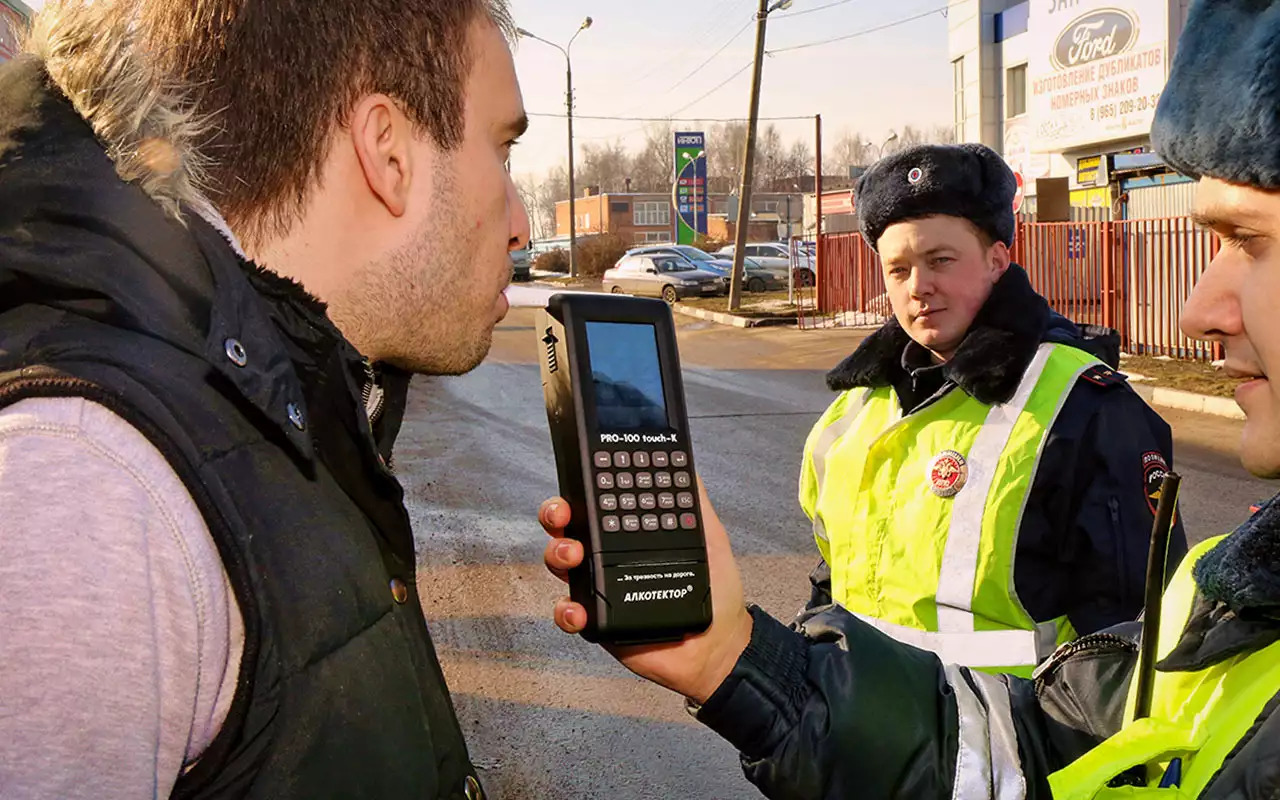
(646, 218)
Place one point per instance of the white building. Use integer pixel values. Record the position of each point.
(1068, 89)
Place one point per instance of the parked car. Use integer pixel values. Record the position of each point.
(756, 277)
(664, 275)
(521, 264)
(776, 255)
(759, 277)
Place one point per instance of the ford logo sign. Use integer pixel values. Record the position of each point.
(1098, 34)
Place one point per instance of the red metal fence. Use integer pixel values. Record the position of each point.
(1131, 275)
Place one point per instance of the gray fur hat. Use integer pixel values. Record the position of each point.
(964, 180)
(1219, 114)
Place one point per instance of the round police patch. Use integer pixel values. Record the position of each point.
(948, 472)
(1154, 468)
(915, 175)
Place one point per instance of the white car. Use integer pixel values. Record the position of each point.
(775, 256)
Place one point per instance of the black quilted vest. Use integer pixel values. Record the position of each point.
(255, 400)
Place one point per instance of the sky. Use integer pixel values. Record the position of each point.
(645, 58)
(632, 59)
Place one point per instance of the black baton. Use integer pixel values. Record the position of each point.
(1156, 560)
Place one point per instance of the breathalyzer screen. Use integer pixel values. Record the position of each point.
(626, 377)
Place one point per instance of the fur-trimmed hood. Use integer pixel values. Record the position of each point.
(992, 358)
(92, 53)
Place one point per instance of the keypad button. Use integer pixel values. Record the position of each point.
(631, 523)
(608, 502)
(688, 521)
(662, 480)
(611, 524)
(649, 522)
(669, 522)
(682, 479)
(604, 480)
(603, 460)
(641, 460)
(622, 459)
(660, 460)
(644, 480)
(627, 502)
(679, 459)
(685, 499)
(626, 480)
(648, 502)
(666, 500)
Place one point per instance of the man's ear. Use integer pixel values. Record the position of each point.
(998, 258)
(383, 136)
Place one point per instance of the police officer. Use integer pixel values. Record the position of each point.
(984, 485)
(830, 708)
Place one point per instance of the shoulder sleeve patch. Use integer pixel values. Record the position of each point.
(1104, 376)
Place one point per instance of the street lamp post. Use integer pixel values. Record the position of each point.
(568, 103)
(748, 156)
(880, 149)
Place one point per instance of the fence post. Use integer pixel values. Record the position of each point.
(1110, 313)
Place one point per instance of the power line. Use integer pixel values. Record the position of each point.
(716, 16)
(855, 34)
(791, 14)
(711, 58)
(673, 116)
(715, 89)
(698, 68)
(668, 119)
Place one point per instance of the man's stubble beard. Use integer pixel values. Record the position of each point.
(412, 308)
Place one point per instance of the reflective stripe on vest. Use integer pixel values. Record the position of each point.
(964, 540)
(996, 649)
(885, 531)
(1199, 717)
(827, 440)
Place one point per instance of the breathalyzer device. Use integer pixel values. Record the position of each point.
(620, 432)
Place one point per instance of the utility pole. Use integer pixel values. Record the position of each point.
(749, 157)
(817, 208)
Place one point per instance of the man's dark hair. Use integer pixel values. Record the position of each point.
(276, 77)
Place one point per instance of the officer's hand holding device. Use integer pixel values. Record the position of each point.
(620, 432)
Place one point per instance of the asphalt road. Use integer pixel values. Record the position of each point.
(551, 716)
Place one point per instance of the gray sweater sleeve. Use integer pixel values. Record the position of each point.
(120, 637)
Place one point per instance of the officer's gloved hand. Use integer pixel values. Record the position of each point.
(694, 667)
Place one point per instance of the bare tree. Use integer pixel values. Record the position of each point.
(851, 149)
(651, 169)
(606, 165)
(725, 144)
(553, 188)
(941, 134)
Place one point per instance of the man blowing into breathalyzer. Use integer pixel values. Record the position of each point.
(829, 707)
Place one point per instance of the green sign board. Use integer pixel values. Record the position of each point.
(689, 189)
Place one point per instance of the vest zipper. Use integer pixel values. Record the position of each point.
(372, 395)
(1090, 643)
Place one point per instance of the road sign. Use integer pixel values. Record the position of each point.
(1019, 195)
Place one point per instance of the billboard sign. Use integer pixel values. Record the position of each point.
(1097, 71)
(689, 189)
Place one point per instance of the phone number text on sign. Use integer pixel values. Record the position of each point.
(1131, 106)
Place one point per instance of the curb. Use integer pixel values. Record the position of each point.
(733, 319)
(1189, 401)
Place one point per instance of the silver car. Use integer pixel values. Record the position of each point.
(667, 276)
